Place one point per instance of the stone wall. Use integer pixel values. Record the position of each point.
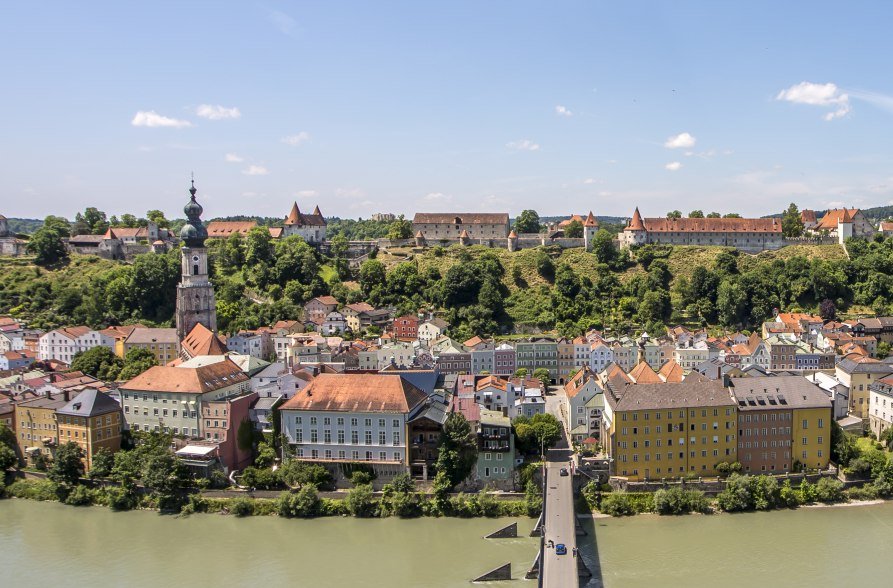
(709, 486)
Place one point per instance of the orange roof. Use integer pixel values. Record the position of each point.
(473, 342)
(316, 211)
(513, 234)
(886, 226)
(590, 221)
(198, 380)
(201, 341)
(643, 374)
(275, 232)
(73, 332)
(357, 393)
(807, 216)
(578, 381)
(568, 221)
(464, 234)
(294, 216)
(707, 225)
(327, 300)
(635, 223)
(832, 217)
(671, 372)
(419, 234)
(223, 229)
(491, 382)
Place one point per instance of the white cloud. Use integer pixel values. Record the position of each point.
(563, 111)
(826, 95)
(255, 170)
(150, 118)
(437, 197)
(682, 140)
(604, 194)
(588, 181)
(523, 145)
(282, 21)
(306, 193)
(233, 158)
(295, 140)
(673, 166)
(217, 112)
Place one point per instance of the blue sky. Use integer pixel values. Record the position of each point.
(467, 106)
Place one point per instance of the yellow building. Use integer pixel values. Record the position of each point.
(93, 420)
(118, 334)
(669, 430)
(163, 343)
(36, 428)
(783, 421)
(858, 373)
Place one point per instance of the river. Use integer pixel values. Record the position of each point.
(807, 547)
(93, 546)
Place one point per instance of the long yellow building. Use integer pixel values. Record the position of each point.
(94, 421)
(669, 430)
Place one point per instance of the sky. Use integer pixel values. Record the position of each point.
(497, 106)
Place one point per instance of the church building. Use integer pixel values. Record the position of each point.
(195, 293)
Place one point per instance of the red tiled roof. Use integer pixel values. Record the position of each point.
(201, 341)
(223, 229)
(464, 218)
(832, 217)
(357, 393)
(709, 225)
(643, 374)
(188, 380)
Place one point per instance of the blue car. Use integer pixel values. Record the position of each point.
(560, 549)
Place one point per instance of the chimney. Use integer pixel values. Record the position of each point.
(66, 394)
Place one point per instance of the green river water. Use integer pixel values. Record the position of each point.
(50, 544)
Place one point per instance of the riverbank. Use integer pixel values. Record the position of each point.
(742, 494)
(306, 502)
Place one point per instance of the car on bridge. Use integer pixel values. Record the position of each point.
(561, 549)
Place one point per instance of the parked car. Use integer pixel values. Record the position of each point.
(560, 549)
(563, 472)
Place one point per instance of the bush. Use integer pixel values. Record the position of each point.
(487, 504)
(79, 496)
(119, 498)
(264, 478)
(807, 492)
(723, 468)
(619, 504)
(303, 503)
(829, 490)
(675, 501)
(241, 507)
(359, 501)
(788, 496)
(866, 492)
(360, 478)
(33, 490)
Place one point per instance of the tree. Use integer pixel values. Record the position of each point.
(791, 225)
(373, 276)
(544, 265)
(713, 215)
(67, 467)
(541, 431)
(99, 362)
(297, 474)
(674, 214)
(157, 217)
(7, 458)
(527, 222)
(731, 215)
(103, 462)
(58, 224)
(93, 219)
(574, 230)
(360, 501)
(827, 309)
(136, 362)
(603, 247)
(47, 247)
(458, 449)
(543, 375)
(303, 503)
(521, 372)
(400, 228)
(696, 214)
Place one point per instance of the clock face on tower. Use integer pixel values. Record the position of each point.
(195, 258)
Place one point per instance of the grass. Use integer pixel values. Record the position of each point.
(328, 273)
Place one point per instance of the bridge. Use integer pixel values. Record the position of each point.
(558, 525)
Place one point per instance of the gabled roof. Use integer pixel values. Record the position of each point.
(144, 335)
(201, 341)
(462, 218)
(223, 229)
(643, 374)
(297, 218)
(671, 372)
(673, 395)
(90, 402)
(357, 393)
(590, 221)
(709, 225)
(580, 379)
(197, 380)
(833, 217)
(635, 223)
(326, 300)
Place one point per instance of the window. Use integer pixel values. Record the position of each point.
(354, 438)
(396, 437)
(368, 437)
(313, 436)
(341, 437)
(313, 420)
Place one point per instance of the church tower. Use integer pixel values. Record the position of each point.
(195, 293)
